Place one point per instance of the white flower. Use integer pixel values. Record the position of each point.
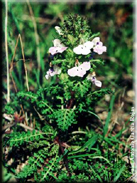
(83, 49)
(53, 71)
(79, 70)
(93, 79)
(58, 30)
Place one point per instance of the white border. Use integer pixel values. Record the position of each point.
(135, 84)
(73, 1)
(134, 47)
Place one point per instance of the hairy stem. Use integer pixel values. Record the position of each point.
(65, 157)
(71, 101)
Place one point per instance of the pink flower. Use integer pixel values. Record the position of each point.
(98, 46)
(58, 47)
(53, 71)
(76, 71)
(79, 70)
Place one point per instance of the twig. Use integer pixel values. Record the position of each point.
(36, 33)
(6, 49)
(20, 124)
(37, 19)
(7, 126)
(79, 132)
(24, 62)
(28, 128)
(11, 67)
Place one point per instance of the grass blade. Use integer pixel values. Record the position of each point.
(93, 114)
(119, 173)
(88, 144)
(109, 115)
(96, 174)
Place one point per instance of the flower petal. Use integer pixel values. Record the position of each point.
(53, 50)
(81, 73)
(88, 44)
(57, 43)
(53, 71)
(89, 77)
(99, 49)
(85, 51)
(98, 83)
(96, 40)
(104, 48)
(73, 71)
(78, 49)
(86, 65)
(58, 30)
(60, 50)
(80, 70)
(47, 76)
(57, 69)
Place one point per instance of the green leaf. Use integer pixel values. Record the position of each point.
(64, 118)
(95, 35)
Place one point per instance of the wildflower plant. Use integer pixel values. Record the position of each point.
(71, 63)
(63, 110)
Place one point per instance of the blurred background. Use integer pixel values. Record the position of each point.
(35, 23)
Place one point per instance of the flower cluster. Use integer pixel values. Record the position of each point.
(84, 48)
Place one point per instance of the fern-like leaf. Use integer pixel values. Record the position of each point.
(64, 118)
